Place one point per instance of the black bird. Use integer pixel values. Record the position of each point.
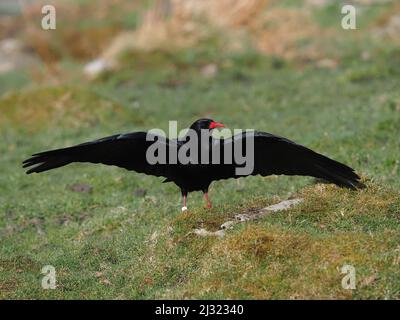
(271, 155)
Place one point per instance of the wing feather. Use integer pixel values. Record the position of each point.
(277, 155)
(122, 150)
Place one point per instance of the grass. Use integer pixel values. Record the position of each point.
(117, 241)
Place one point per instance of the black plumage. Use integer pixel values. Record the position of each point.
(272, 155)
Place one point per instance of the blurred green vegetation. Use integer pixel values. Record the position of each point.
(127, 239)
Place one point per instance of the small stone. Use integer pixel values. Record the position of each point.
(327, 64)
(209, 70)
(228, 225)
(80, 187)
(242, 217)
(96, 67)
(204, 233)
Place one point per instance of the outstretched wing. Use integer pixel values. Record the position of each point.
(122, 150)
(277, 155)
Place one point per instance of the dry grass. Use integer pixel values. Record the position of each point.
(177, 24)
(265, 259)
(54, 107)
(265, 263)
(284, 29)
(84, 42)
(185, 22)
(173, 25)
(388, 26)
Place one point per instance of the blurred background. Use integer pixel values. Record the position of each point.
(93, 37)
(286, 67)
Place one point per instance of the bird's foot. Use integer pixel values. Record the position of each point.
(208, 205)
(184, 209)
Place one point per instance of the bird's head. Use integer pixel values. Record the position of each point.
(207, 124)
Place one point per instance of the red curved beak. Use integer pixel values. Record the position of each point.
(216, 125)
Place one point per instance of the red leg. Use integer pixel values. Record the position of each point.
(184, 195)
(208, 205)
(184, 200)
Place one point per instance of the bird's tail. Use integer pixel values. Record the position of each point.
(52, 159)
(336, 172)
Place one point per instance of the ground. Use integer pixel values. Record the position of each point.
(111, 233)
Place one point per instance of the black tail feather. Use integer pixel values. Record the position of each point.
(337, 173)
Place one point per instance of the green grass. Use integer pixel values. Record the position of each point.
(111, 243)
